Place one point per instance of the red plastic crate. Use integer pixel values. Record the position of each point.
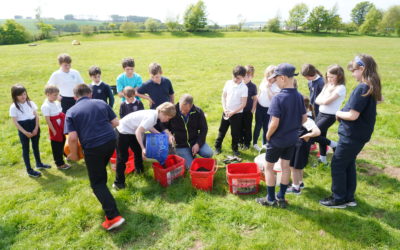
(174, 168)
(130, 164)
(243, 178)
(203, 180)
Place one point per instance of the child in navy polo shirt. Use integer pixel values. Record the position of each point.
(131, 104)
(158, 89)
(357, 121)
(92, 122)
(315, 83)
(100, 90)
(249, 109)
(288, 113)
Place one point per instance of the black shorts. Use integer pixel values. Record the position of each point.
(299, 159)
(273, 153)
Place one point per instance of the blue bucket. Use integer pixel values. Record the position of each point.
(157, 147)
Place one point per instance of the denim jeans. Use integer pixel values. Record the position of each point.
(186, 153)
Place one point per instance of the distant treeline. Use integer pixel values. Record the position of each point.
(366, 18)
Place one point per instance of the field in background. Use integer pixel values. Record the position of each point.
(60, 211)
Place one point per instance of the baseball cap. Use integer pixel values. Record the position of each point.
(284, 69)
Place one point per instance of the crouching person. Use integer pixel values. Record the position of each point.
(92, 122)
(189, 128)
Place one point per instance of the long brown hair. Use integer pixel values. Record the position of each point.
(17, 90)
(338, 71)
(309, 70)
(369, 75)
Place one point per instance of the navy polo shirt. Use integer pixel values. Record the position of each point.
(252, 91)
(288, 106)
(91, 119)
(315, 88)
(361, 129)
(159, 93)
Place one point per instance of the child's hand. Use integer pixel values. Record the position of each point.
(171, 139)
(54, 132)
(28, 134)
(35, 132)
(305, 137)
(144, 153)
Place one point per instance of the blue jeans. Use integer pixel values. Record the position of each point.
(186, 153)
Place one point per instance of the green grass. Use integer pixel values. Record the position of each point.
(60, 211)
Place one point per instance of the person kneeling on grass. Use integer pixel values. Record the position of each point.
(189, 128)
(92, 122)
(287, 113)
(130, 133)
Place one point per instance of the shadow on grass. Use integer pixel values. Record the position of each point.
(8, 232)
(141, 229)
(364, 231)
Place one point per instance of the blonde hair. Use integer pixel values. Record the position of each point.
(155, 68)
(167, 109)
(269, 71)
(51, 89)
(249, 70)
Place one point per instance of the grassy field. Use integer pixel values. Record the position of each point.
(59, 210)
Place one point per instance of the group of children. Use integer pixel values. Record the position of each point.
(284, 114)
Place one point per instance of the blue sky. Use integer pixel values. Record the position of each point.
(219, 11)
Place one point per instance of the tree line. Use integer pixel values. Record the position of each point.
(366, 18)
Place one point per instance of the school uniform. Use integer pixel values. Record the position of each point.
(352, 137)
(57, 118)
(124, 81)
(262, 116)
(315, 87)
(245, 137)
(127, 108)
(299, 159)
(66, 82)
(159, 93)
(288, 106)
(126, 138)
(234, 94)
(103, 92)
(26, 118)
(91, 119)
(327, 117)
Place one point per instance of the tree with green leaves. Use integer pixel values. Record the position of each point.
(195, 18)
(360, 11)
(273, 25)
(334, 20)
(391, 21)
(349, 27)
(128, 28)
(372, 20)
(297, 16)
(152, 25)
(172, 23)
(45, 30)
(318, 19)
(12, 32)
(241, 22)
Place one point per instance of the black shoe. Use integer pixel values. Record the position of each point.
(331, 202)
(265, 202)
(118, 186)
(217, 151)
(236, 153)
(293, 190)
(302, 185)
(43, 166)
(282, 203)
(33, 173)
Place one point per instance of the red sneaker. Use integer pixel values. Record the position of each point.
(313, 147)
(110, 224)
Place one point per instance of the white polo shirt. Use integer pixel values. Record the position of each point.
(142, 118)
(26, 112)
(66, 82)
(51, 108)
(334, 106)
(263, 98)
(234, 94)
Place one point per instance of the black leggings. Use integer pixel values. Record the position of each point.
(323, 121)
(29, 125)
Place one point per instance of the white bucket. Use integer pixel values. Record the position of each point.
(260, 161)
